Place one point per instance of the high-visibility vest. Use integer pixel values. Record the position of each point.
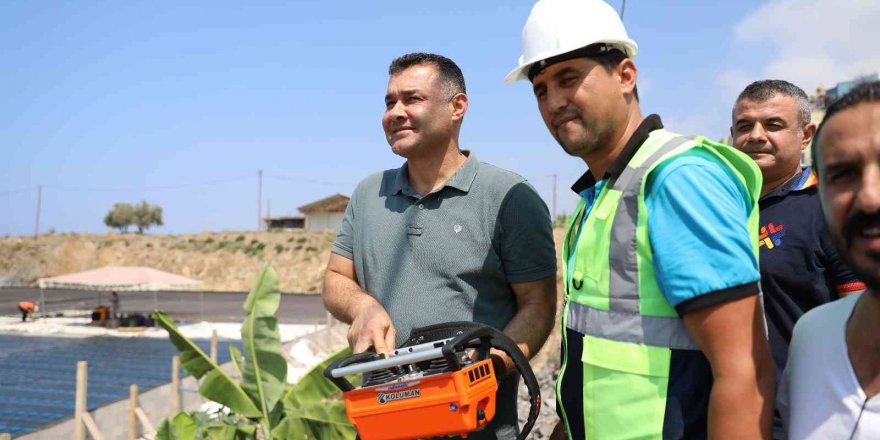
(613, 298)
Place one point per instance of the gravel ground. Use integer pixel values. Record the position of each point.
(546, 366)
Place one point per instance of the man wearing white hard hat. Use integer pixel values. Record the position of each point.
(663, 329)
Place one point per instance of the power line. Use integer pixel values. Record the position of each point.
(147, 188)
(304, 180)
(16, 191)
(175, 187)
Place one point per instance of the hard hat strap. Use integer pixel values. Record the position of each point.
(591, 51)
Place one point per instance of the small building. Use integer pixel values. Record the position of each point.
(285, 222)
(326, 213)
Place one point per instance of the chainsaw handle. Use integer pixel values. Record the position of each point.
(462, 341)
(490, 336)
(341, 382)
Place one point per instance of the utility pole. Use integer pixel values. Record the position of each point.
(268, 208)
(39, 202)
(259, 200)
(554, 199)
(622, 9)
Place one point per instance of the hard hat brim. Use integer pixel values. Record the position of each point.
(629, 47)
(517, 74)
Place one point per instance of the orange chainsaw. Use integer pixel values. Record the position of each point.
(444, 387)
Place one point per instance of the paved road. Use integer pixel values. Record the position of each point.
(183, 306)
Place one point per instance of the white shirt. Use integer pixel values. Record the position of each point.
(819, 395)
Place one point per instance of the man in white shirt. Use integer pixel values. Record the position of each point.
(831, 385)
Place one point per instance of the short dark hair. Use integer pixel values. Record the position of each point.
(611, 59)
(606, 55)
(865, 92)
(450, 73)
(765, 89)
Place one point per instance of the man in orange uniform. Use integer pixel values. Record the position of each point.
(26, 308)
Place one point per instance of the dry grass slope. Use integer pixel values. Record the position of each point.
(221, 260)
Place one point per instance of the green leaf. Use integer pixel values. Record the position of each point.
(192, 357)
(307, 412)
(264, 371)
(265, 297)
(229, 432)
(182, 427)
(217, 386)
(315, 420)
(235, 355)
(276, 414)
(314, 386)
(164, 430)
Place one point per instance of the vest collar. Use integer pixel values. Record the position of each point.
(649, 124)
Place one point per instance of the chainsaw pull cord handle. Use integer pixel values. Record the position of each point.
(508, 346)
(342, 382)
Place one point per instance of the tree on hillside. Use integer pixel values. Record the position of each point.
(142, 216)
(120, 217)
(146, 215)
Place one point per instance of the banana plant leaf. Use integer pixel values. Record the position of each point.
(314, 386)
(265, 297)
(181, 427)
(308, 413)
(229, 432)
(235, 355)
(264, 370)
(217, 386)
(315, 420)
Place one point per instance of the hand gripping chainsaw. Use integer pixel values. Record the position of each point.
(444, 387)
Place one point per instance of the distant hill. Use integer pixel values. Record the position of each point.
(225, 261)
(221, 260)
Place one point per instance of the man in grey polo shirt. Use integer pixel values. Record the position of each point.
(444, 237)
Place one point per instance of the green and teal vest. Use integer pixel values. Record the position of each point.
(613, 299)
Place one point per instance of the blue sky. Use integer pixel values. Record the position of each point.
(180, 103)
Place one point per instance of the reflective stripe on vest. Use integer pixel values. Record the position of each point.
(656, 331)
(622, 258)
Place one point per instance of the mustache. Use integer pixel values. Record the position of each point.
(754, 148)
(857, 222)
(563, 114)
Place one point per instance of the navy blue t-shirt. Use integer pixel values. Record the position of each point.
(800, 268)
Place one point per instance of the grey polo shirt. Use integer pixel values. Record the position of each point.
(450, 255)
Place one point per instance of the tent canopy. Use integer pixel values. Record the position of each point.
(121, 278)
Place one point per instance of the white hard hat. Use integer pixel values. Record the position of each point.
(556, 27)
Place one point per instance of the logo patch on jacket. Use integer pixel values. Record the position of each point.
(771, 235)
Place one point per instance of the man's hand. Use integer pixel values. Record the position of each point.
(370, 324)
(371, 327)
